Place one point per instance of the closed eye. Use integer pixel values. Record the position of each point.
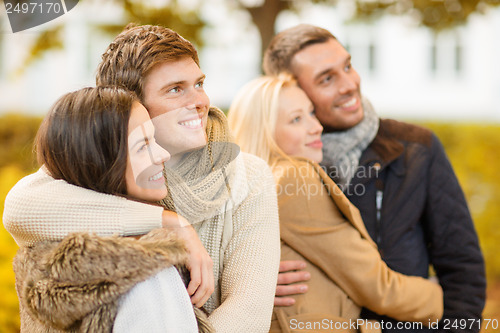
(143, 146)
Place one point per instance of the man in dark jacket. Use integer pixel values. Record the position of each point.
(397, 174)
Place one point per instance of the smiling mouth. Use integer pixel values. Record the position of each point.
(195, 123)
(156, 177)
(350, 103)
(315, 144)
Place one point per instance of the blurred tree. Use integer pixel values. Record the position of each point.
(265, 12)
(435, 14)
(17, 133)
(186, 21)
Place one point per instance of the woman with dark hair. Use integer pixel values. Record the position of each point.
(227, 196)
(103, 139)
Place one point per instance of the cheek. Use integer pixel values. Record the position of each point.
(138, 163)
(130, 181)
(158, 108)
(323, 98)
(154, 109)
(289, 141)
(356, 78)
(206, 99)
(165, 127)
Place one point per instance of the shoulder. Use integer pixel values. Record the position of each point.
(296, 171)
(253, 161)
(250, 177)
(256, 168)
(41, 183)
(402, 131)
(28, 185)
(37, 178)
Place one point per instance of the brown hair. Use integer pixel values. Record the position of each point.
(136, 50)
(284, 46)
(83, 139)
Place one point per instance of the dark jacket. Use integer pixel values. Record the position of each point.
(421, 217)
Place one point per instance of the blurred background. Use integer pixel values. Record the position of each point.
(431, 62)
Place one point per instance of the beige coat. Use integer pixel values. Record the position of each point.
(319, 225)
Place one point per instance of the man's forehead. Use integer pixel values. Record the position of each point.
(321, 56)
(174, 70)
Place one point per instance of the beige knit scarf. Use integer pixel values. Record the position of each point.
(199, 184)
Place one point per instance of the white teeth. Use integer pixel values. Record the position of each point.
(191, 123)
(349, 103)
(157, 176)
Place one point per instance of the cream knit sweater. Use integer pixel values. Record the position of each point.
(242, 238)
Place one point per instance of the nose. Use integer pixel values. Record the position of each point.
(349, 82)
(198, 99)
(314, 126)
(158, 154)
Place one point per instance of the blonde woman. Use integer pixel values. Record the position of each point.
(273, 118)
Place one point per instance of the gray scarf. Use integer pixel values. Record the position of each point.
(342, 150)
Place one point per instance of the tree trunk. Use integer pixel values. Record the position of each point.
(264, 18)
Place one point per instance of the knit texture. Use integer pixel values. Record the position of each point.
(40, 208)
(243, 241)
(342, 150)
(241, 233)
(200, 184)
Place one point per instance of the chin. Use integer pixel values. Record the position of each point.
(349, 122)
(317, 159)
(152, 197)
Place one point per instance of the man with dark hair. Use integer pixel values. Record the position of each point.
(397, 174)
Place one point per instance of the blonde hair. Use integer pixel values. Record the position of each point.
(253, 115)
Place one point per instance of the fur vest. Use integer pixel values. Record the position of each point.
(74, 285)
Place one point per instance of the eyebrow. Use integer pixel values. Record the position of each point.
(329, 69)
(294, 112)
(144, 137)
(320, 74)
(175, 83)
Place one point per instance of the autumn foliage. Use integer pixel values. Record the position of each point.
(474, 151)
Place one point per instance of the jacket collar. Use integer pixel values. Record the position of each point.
(383, 151)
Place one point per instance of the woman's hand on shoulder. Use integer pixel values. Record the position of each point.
(200, 264)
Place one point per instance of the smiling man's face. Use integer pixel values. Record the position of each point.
(177, 104)
(325, 73)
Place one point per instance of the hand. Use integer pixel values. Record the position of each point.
(199, 262)
(290, 272)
